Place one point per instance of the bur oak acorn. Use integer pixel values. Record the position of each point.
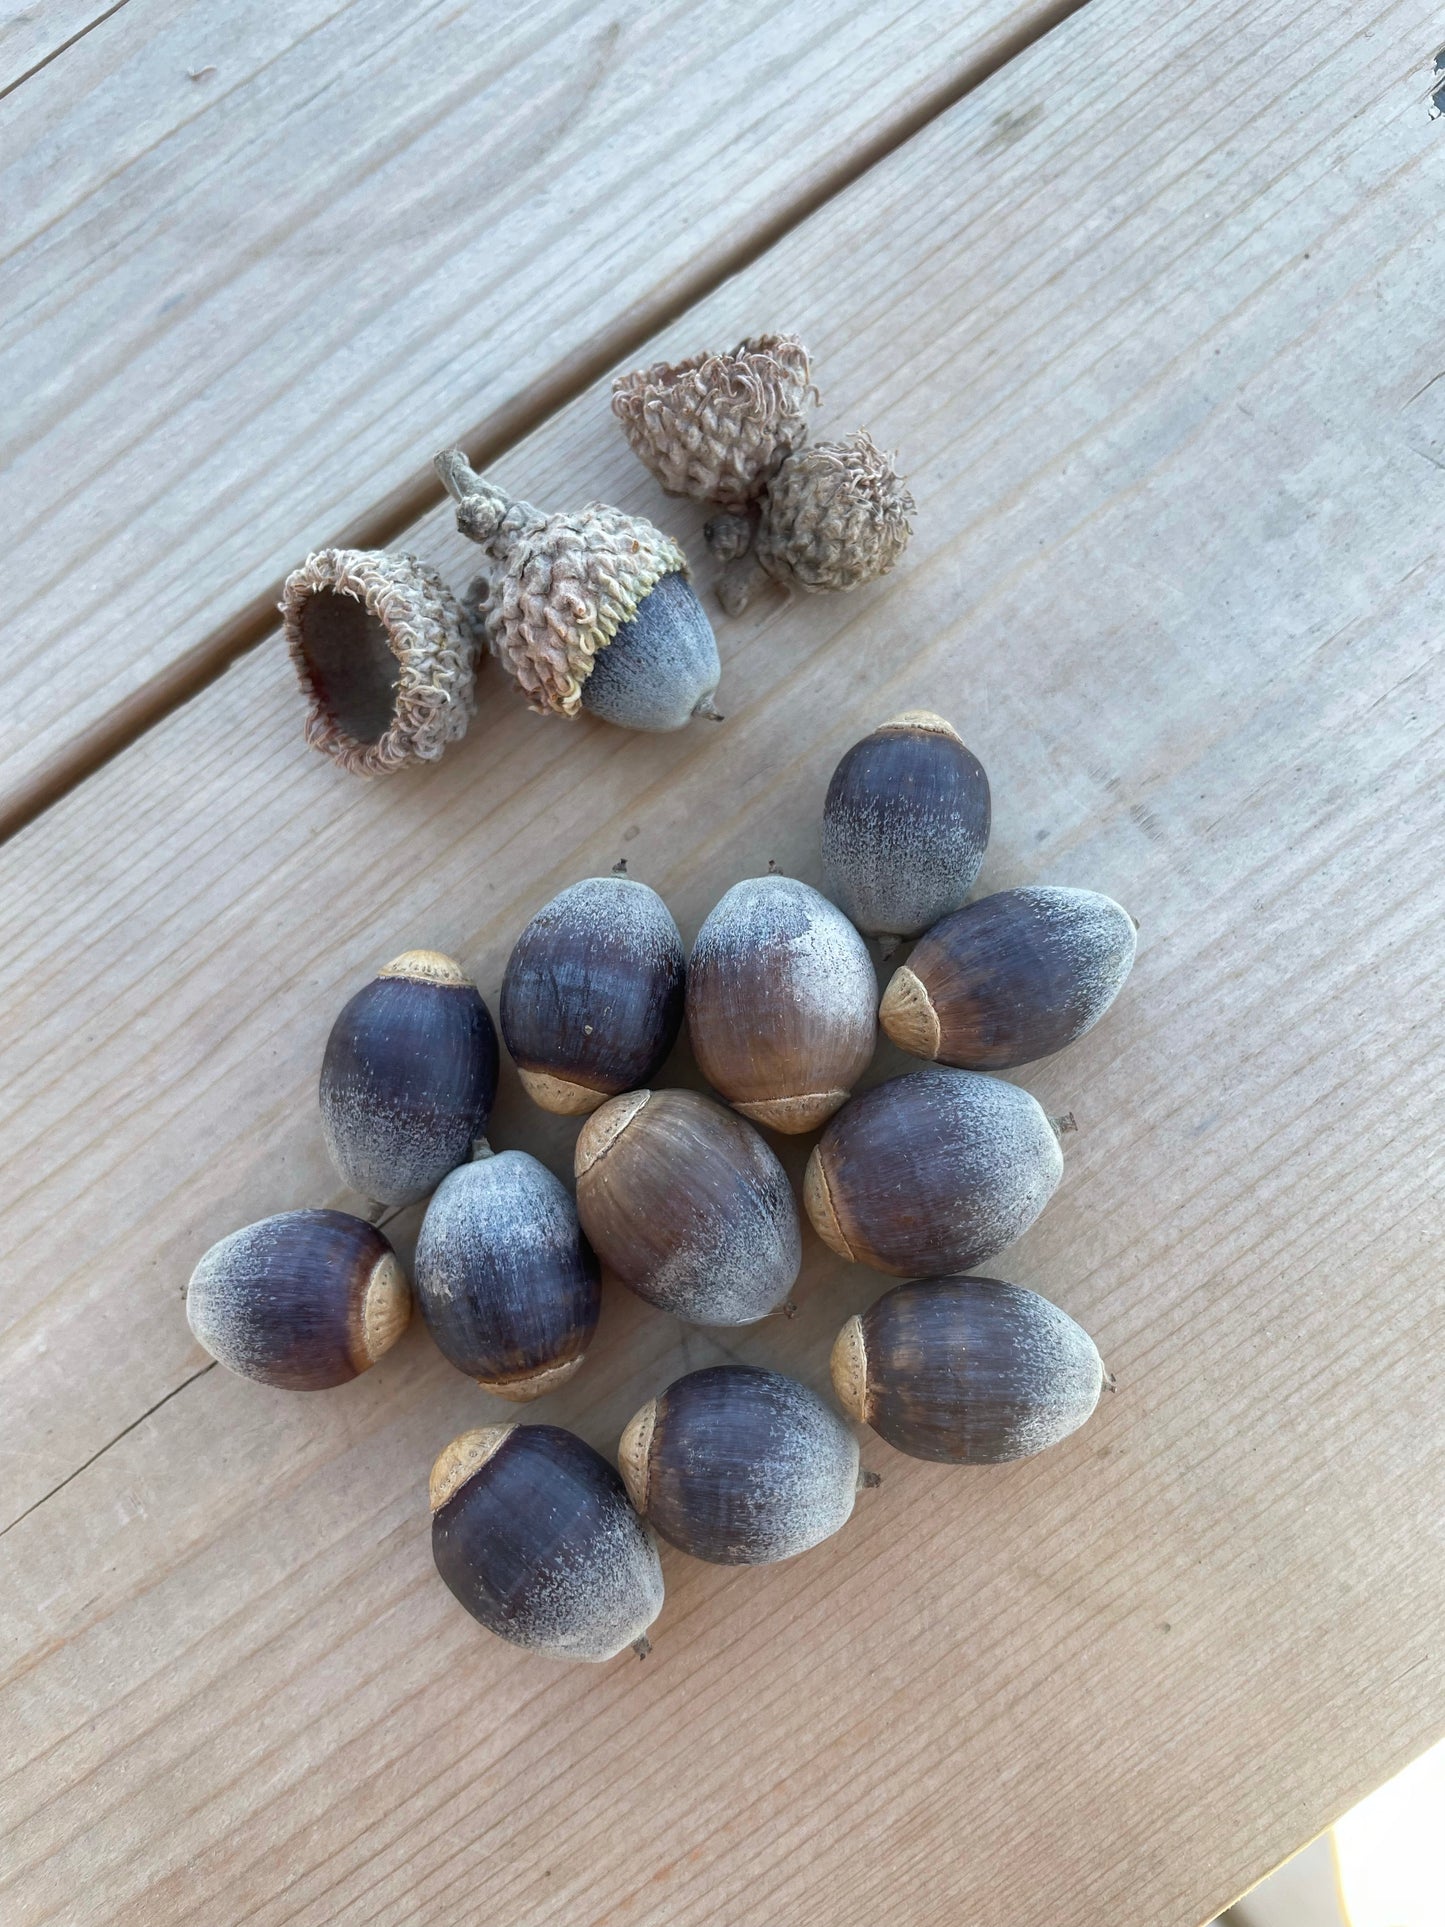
(1011, 978)
(587, 610)
(304, 1301)
(905, 826)
(506, 1282)
(740, 1466)
(408, 1079)
(686, 1204)
(592, 998)
(969, 1371)
(533, 1533)
(781, 1003)
(931, 1173)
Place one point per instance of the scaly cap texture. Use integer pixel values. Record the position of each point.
(834, 516)
(427, 632)
(562, 585)
(716, 426)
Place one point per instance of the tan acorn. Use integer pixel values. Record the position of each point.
(587, 610)
(385, 656)
(833, 517)
(714, 427)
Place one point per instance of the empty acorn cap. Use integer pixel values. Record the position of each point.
(384, 655)
(466, 1454)
(633, 1451)
(713, 426)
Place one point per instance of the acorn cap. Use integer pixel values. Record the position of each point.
(716, 425)
(466, 1454)
(834, 517)
(634, 1452)
(562, 585)
(432, 696)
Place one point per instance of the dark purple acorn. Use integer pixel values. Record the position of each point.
(1013, 977)
(505, 1280)
(408, 1079)
(905, 826)
(931, 1173)
(740, 1466)
(592, 999)
(304, 1301)
(969, 1371)
(687, 1205)
(781, 1003)
(532, 1531)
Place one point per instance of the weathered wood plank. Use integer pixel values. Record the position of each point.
(1162, 380)
(266, 258)
(38, 30)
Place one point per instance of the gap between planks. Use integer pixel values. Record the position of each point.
(185, 678)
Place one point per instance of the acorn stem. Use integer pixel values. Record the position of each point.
(709, 710)
(481, 1149)
(485, 511)
(642, 1646)
(1062, 1125)
(868, 1480)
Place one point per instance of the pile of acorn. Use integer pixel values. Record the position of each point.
(924, 1177)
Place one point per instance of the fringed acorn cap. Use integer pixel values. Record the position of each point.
(835, 516)
(384, 654)
(563, 585)
(715, 426)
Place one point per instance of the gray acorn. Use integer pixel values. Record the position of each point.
(533, 1533)
(587, 610)
(408, 1079)
(304, 1301)
(781, 1003)
(905, 826)
(968, 1371)
(686, 1204)
(740, 1466)
(506, 1282)
(931, 1173)
(1011, 978)
(593, 994)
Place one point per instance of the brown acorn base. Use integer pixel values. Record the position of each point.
(534, 1384)
(794, 1115)
(558, 1095)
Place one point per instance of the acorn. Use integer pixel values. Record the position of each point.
(506, 1282)
(532, 1532)
(714, 427)
(781, 1001)
(591, 610)
(905, 826)
(740, 1466)
(385, 656)
(592, 998)
(833, 517)
(303, 1301)
(1014, 977)
(931, 1173)
(688, 1206)
(408, 1079)
(968, 1371)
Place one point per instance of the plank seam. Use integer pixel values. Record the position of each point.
(64, 47)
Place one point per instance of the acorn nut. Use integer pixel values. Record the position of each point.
(931, 1173)
(532, 1532)
(686, 1204)
(304, 1301)
(781, 1003)
(591, 610)
(905, 826)
(740, 1466)
(592, 998)
(1011, 978)
(506, 1282)
(969, 1371)
(385, 657)
(408, 1079)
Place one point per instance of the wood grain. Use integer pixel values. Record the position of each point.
(267, 259)
(1148, 316)
(38, 31)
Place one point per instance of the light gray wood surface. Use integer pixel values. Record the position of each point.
(1146, 317)
(259, 260)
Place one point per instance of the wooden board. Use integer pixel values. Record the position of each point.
(265, 260)
(35, 32)
(1147, 316)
